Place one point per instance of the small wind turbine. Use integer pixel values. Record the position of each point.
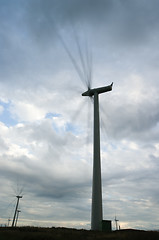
(16, 210)
(9, 221)
(116, 223)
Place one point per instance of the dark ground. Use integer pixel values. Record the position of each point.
(34, 233)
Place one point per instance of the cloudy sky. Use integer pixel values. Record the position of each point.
(46, 125)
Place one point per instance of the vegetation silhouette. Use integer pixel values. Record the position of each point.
(37, 233)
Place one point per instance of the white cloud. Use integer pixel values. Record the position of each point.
(27, 112)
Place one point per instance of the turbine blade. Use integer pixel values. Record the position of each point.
(85, 59)
(89, 66)
(74, 62)
(81, 57)
(103, 125)
(76, 114)
(89, 120)
(21, 190)
(88, 139)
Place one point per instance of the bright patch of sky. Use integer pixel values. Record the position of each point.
(52, 115)
(6, 115)
(60, 126)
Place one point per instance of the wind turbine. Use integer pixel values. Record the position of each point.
(97, 212)
(16, 210)
(9, 221)
(116, 223)
(84, 70)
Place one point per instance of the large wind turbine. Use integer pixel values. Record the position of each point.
(84, 70)
(97, 212)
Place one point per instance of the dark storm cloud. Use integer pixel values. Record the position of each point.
(51, 13)
(121, 21)
(56, 185)
(11, 16)
(111, 22)
(134, 120)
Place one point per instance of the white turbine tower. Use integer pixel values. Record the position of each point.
(84, 70)
(97, 212)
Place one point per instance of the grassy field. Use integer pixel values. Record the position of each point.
(34, 233)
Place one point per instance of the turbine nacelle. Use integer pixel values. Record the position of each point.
(19, 196)
(99, 90)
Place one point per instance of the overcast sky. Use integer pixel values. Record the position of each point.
(46, 125)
